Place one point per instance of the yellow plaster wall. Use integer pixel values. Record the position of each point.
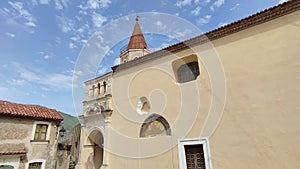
(260, 124)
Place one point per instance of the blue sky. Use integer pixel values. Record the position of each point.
(41, 40)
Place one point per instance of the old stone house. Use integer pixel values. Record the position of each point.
(184, 108)
(28, 136)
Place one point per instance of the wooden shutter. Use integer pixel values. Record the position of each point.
(194, 156)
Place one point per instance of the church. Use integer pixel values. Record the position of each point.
(228, 98)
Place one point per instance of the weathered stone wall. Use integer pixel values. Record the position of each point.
(16, 135)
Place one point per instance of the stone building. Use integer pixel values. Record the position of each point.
(28, 136)
(179, 108)
(75, 144)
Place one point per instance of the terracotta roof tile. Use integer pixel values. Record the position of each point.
(12, 149)
(29, 111)
(137, 40)
(12, 152)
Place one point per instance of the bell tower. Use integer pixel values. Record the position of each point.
(137, 46)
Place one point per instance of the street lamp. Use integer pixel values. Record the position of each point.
(62, 131)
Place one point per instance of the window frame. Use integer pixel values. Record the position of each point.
(182, 70)
(7, 165)
(36, 161)
(150, 119)
(34, 131)
(193, 141)
(186, 61)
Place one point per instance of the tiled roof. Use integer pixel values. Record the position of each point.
(12, 149)
(28, 111)
(12, 152)
(137, 40)
(256, 19)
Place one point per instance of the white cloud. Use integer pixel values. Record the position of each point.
(163, 45)
(204, 20)
(72, 45)
(183, 3)
(196, 11)
(65, 3)
(23, 13)
(44, 55)
(180, 34)
(98, 20)
(235, 7)
(10, 34)
(96, 4)
(70, 60)
(222, 24)
(66, 25)
(117, 61)
(282, 1)
(51, 80)
(160, 25)
(217, 4)
(18, 82)
(47, 56)
(105, 3)
(34, 2)
(197, 2)
(75, 38)
(10, 93)
(44, 2)
(58, 5)
(83, 41)
(28, 75)
(31, 24)
(102, 71)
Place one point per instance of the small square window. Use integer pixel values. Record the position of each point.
(188, 72)
(41, 132)
(36, 165)
(186, 69)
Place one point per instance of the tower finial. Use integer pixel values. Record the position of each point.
(137, 18)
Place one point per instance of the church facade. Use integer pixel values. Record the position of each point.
(178, 109)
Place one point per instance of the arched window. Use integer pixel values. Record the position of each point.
(155, 125)
(188, 72)
(104, 87)
(143, 106)
(98, 86)
(93, 88)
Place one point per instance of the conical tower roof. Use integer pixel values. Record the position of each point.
(137, 40)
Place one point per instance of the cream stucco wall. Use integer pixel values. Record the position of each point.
(259, 125)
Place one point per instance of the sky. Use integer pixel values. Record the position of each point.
(42, 41)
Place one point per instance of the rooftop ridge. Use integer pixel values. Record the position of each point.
(29, 110)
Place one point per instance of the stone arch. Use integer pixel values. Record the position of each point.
(95, 140)
(93, 132)
(155, 125)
